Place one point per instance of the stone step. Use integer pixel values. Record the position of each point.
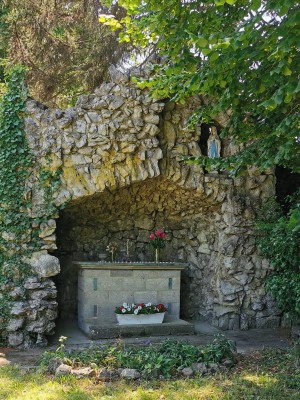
(110, 331)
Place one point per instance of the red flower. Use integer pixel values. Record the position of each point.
(162, 235)
(161, 307)
(152, 236)
(158, 232)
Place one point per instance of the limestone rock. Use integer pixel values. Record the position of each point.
(32, 283)
(63, 369)
(15, 339)
(41, 340)
(228, 363)
(199, 367)
(19, 308)
(43, 294)
(187, 372)
(106, 375)
(15, 324)
(47, 228)
(18, 293)
(83, 372)
(65, 118)
(130, 374)
(116, 75)
(41, 325)
(116, 103)
(152, 119)
(8, 236)
(45, 265)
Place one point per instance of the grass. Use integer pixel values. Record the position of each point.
(266, 375)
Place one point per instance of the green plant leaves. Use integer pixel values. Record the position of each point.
(246, 62)
(165, 359)
(17, 237)
(278, 240)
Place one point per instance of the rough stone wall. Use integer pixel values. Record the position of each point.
(126, 216)
(224, 283)
(122, 175)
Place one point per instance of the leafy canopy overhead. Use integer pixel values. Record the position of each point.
(240, 56)
(66, 50)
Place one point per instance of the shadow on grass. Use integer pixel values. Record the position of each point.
(266, 375)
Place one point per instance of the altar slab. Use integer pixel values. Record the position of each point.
(104, 286)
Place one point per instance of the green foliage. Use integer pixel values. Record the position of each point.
(240, 56)
(165, 359)
(18, 238)
(3, 42)
(61, 42)
(15, 165)
(279, 240)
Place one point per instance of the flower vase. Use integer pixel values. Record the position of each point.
(140, 319)
(157, 255)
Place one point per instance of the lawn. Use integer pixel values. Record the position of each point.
(266, 375)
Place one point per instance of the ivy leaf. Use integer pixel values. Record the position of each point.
(286, 71)
(256, 4)
(214, 56)
(202, 42)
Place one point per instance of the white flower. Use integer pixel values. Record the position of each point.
(148, 305)
(129, 308)
(136, 311)
(123, 311)
(125, 305)
(139, 308)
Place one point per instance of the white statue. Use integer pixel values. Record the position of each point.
(213, 143)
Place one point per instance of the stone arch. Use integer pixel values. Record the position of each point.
(126, 216)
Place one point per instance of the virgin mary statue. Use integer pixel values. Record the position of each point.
(213, 143)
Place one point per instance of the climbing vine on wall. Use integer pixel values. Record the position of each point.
(15, 167)
(19, 223)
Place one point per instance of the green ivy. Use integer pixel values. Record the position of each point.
(15, 166)
(279, 241)
(18, 239)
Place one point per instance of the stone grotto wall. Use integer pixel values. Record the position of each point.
(126, 216)
(122, 176)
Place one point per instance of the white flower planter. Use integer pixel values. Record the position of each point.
(140, 319)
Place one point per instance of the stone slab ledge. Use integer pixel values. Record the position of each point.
(131, 266)
(178, 327)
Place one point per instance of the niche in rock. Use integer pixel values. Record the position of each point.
(127, 216)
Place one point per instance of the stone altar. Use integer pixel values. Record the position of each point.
(102, 286)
